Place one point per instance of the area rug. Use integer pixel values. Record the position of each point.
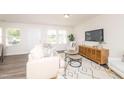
(88, 70)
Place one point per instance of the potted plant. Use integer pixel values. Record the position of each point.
(71, 37)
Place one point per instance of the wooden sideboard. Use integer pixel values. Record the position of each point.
(98, 55)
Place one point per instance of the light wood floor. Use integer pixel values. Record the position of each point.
(14, 67)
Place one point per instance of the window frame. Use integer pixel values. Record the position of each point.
(49, 35)
(57, 36)
(65, 34)
(6, 36)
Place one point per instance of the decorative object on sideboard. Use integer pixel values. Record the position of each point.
(100, 44)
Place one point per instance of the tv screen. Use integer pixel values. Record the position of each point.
(94, 35)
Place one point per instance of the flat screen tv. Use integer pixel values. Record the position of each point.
(95, 35)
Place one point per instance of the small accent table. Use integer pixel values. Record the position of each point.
(70, 52)
(75, 59)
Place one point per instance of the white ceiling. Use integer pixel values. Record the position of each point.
(46, 19)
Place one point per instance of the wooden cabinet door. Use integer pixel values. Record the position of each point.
(93, 54)
(89, 51)
(80, 50)
(98, 56)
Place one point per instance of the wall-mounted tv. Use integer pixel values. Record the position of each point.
(95, 35)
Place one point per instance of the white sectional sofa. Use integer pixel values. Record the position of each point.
(44, 68)
(116, 65)
(41, 65)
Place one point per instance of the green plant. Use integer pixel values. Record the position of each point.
(71, 37)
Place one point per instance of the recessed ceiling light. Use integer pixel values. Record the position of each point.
(66, 15)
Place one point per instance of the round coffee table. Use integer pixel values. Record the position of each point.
(70, 52)
(75, 59)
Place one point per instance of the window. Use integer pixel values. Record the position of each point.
(13, 36)
(62, 37)
(52, 37)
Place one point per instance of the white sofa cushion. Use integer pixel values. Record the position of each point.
(43, 68)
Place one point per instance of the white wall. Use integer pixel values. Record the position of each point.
(31, 35)
(113, 32)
